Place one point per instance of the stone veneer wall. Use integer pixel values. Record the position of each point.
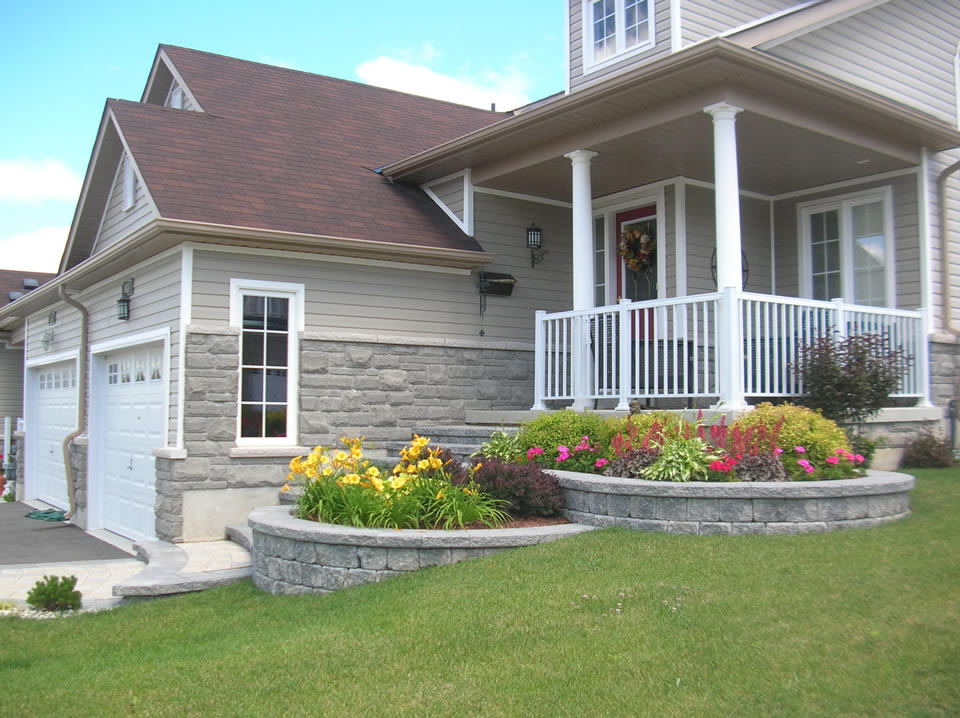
(945, 375)
(349, 384)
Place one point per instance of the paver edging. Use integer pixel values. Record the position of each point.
(291, 555)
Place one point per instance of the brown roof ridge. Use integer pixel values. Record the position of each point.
(332, 78)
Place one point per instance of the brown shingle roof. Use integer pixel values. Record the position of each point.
(285, 150)
(11, 280)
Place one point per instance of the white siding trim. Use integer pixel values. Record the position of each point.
(773, 248)
(297, 294)
(333, 258)
(524, 197)
(680, 236)
(132, 340)
(956, 82)
(186, 312)
(178, 79)
(465, 224)
(566, 79)
(133, 162)
(661, 232)
(676, 26)
(52, 359)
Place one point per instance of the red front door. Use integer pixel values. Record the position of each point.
(638, 284)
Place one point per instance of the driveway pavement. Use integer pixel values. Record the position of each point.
(29, 541)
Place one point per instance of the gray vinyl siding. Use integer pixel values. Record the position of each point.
(450, 193)
(660, 47)
(117, 222)
(902, 49)
(701, 241)
(391, 300)
(700, 19)
(938, 263)
(11, 381)
(905, 232)
(155, 304)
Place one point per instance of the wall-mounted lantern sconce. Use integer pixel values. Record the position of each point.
(123, 303)
(534, 240)
(47, 339)
(52, 318)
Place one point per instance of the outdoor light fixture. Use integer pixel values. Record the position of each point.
(123, 303)
(534, 240)
(47, 339)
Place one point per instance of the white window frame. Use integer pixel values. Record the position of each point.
(844, 205)
(129, 184)
(621, 51)
(295, 293)
(175, 96)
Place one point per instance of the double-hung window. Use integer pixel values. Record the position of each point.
(269, 316)
(847, 248)
(615, 27)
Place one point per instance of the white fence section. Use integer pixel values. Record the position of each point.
(668, 348)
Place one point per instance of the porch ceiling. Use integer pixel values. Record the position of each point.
(774, 157)
(799, 129)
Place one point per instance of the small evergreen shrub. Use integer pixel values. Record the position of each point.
(806, 438)
(54, 593)
(529, 490)
(631, 463)
(927, 451)
(561, 428)
(850, 379)
(760, 467)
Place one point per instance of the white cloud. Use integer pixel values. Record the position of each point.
(36, 251)
(508, 89)
(38, 180)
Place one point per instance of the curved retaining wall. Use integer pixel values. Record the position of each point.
(291, 555)
(735, 507)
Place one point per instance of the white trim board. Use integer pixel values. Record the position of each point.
(465, 224)
(523, 197)
(186, 316)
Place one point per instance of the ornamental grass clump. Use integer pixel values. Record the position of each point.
(342, 487)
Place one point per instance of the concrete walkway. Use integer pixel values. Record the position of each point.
(154, 568)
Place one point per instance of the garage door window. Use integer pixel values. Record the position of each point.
(268, 315)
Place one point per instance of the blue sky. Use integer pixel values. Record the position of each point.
(61, 60)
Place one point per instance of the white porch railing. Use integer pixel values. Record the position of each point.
(668, 348)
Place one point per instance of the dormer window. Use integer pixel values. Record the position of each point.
(129, 184)
(616, 27)
(175, 96)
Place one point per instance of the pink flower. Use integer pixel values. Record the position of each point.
(859, 459)
(809, 469)
(803, 462)
(832, 460)
(584, 444)
(533, 451)
(563, 453)
(799, 449)
(777, 451)
(600, 463)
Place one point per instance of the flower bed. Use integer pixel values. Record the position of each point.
(736, 507)
(292, 555)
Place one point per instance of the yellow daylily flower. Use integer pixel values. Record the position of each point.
(423, 464)
(327, 471)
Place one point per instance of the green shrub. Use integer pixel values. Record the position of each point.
(54, 593)
(562, 428)
(850, 379)
(866, 447)
(818, 437)
(927, 451)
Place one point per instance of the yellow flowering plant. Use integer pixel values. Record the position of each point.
(342, 487)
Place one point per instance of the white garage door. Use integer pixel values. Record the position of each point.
(133, 428)
(54, 416)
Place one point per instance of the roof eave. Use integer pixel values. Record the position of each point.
(717, 48)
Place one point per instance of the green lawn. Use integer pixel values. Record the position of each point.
(854, 623)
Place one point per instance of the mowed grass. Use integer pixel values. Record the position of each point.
(853, 623)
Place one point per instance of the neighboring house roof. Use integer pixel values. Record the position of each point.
(12, 280)
(289, 151)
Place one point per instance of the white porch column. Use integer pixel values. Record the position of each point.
(729, 268)
(582, 222)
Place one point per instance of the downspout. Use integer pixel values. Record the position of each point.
(944, 251)
(81, 397)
